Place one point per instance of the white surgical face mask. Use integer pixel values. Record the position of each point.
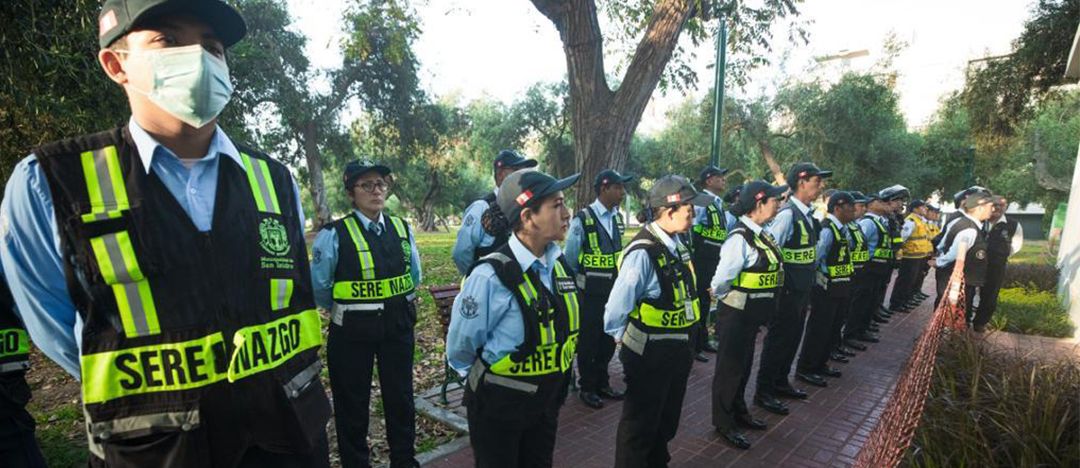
(188, 82)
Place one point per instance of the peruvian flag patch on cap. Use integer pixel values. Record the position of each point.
(674, 198)
(524, 197)
(107, 22)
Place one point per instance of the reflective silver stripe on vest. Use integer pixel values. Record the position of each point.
(599, 274)
(337, 314)
(14, 366)
(301, 380)
(479, 372)
(635, 339)
(184, 420)
(761, 295)
(711, 242)
(283, 289)
(130, 286)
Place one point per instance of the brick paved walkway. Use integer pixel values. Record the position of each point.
(826, 430)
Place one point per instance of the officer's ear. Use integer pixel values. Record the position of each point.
(111, 62)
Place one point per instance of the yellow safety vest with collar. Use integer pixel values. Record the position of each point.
(176, 319)
(917, 244)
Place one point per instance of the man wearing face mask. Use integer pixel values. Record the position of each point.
(164, 265)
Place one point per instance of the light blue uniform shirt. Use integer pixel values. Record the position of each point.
(637, 280)
(825, 241)
(577, 232)
(735, 256)
(324, 257)
(967, 236)
(485, 313)
(471, 235)
(701, 213)
(31, 244)
(870, 231)
(781, 225)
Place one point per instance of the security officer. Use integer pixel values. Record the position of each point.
(897, 196)
(747, 285)
(653, 309)
(593, 249)
(365, 268)
(710, 230)
(165, 265)
(515, 326)
(933, 224)
(473, 239)
(796, 232)
(831, 296)
(1005, 238)
(917, 248)
(18, 448)
(967, 231)
(860, 257)
(868, 296)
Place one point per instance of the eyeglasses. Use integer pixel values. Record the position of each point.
(371, 187)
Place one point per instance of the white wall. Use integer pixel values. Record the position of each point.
(1069, 256)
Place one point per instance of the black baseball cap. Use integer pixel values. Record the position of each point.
(357, 168)
(859, 197)
(672, 190)
(756, 191)
(521, 187)
(916, 204)
(732, 195)
(895, 192)
(977, 198)
(805, 170)
(511, 158)
(119, 17)
(710, 171)
(959, 197)
(610, 176)
(839, 198)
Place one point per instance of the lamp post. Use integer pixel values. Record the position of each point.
(718, 96)
(971, 166)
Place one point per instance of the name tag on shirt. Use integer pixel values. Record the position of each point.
(565, 286)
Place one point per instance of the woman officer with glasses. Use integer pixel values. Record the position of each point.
(365, 269)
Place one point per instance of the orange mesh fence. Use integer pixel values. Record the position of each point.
(896, 427)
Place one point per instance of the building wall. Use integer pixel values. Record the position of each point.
(1032, 223)
(1069, 255)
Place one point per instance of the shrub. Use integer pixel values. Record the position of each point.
(1040, 276)
(1031, 312)
(989, 407)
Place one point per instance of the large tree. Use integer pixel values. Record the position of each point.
(604, 119)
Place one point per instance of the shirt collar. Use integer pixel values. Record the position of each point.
(600, 209)
(750, 224)
(367, 222)
(716, 198)
(834, 220)
(977, 222)
(800, 205)
(1000, 220)
(147, 145)
(671, 244)
(526, 258)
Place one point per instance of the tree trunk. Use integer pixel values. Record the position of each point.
(770, 160)
(427, 206)
(604, 121)
(317, 186)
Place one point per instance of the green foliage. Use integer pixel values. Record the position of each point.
(1002, 93)
(991, 407)
(750, 34)
(1031, 312)
(53, 86)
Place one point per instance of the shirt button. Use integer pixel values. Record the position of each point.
(192, 191)
(186, 427)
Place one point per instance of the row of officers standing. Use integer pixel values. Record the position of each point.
(164, 265)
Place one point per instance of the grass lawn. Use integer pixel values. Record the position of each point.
(1033, 252)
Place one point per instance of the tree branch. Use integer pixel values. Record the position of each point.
(668, 19)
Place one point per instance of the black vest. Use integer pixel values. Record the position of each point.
(882, 257)
(599, 255)
(800, 250)
(183, 328)
(761, 281)
(551, 314)
(999, 241)
(14, 361)
(860, 251)
(500, 237)
(373, 285)
(678, 290)
(975, 262)
(838, 261)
